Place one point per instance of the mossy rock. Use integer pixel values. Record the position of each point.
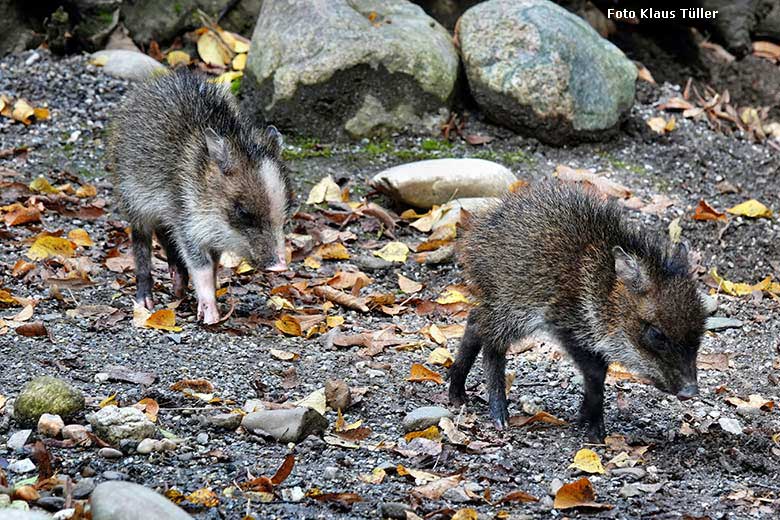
(47, 394)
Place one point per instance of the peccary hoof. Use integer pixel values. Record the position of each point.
(594, 430)
(499, 412)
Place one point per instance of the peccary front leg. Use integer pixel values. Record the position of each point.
(494, 358)
(176, 266)
(594, 372)
(203, 280)
(469, 349)
(142, 252)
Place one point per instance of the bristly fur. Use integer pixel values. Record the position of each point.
(556, 258)
(190, 169)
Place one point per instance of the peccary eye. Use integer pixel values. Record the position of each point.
(654, 337)
(242, 215)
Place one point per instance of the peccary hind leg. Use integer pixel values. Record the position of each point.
(176, 266)
(469, 349)
(142, 251)
(594, 372)
(494, 358)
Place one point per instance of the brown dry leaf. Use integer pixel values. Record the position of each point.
(676, 103)
(588, 461)
(163, 319)
(419, 373)
(22, 267)
(348, 280)
(149, 407)
(343, 498)
(18, 215)
(344, 299)
(717, 361)
(326, 190)
(435, 489)
(476, 140)
(376, 476)
(239, 61)
(578, 494)
(543, 417)
(333, 251)
(6, 297)
(46, 246)
(284, 355)
(204, 497)
(706, 212)
(601, 184)
(25, 314)
(644, 74)
(466, 513)
(435, 334)
(518, 496)
(432, 433)
(407, 285)
(80, 237)
(441, 356)
(661, 125)
(26, 493)
(86, 191)
(289, 325)
(195, 385)
(32, 330)
(751, 208)
(440, 237)
(768, 50)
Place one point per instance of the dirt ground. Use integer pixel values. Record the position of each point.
(704, 471)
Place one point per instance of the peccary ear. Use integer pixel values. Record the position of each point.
(629, 270)
(218, 150)
(678, 259)
(274, 139)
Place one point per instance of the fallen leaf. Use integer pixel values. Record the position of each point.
(175, 58)
(578, 494)
(601, 184)
(376, 476)
(149, 407)
(465, 514)
(80, 237)
(644, 74)
(661, 125)
(315, 400)
(239, 61)
(537, 417)
(706, 212)
(588, 461)
(441, 356)
(19, 215)
(289, 325)
(203, 497)
(46, 246)
(212, 50)
(476, 140)
(32, 330)
(163, 319)
(716, 361)
(518, 496)
(41, 185)
(284, 355)
(333, 251)
(227, 77)
(407, 285)
(108, 401)
(754, 401)
(195, 385)
(450, 296)
(284, 470)
(751, 208)
(739, 288)
(326, 190)
(419, 373)
(344, 299)
(432, 433)
(344, 498)
(393, 252)
(22, 111)
(434, 490)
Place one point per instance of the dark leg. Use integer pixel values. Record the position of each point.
(142, 251)
(469, 349)
(176, 266)
(494, 358)
(594, 371)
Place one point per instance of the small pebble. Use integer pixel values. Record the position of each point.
(114, 475)
(202, 439)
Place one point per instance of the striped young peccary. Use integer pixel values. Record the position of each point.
(558, 259)
(189, 169)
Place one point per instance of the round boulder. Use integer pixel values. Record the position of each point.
(536, 68)
(338, 69)
(50, 395)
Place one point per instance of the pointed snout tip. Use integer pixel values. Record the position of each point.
(688, 392)
(277, 267)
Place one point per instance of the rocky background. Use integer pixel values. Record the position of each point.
(322, 395)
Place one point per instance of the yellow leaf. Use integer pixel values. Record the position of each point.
(110, 400)
(333, 251)
(432, 433)
(41, 185)
(324, 191)
(393, 252)
(99, 61)
(376, 476)
(239, 62)
(660, 125)
(588, 461)
(80, 237)
(419, 373)
(334, 321)
(204, 497)
(227, 77)
(22, 111)
(235, 42)
(212, 50)
(46, 246)
(751, 208)
(164, 319)
(5, 297)
(740, 288)
(452, 296)
(41, 113)
(289, 325)
(315, 400)
(465, 514)
(279, 303)
(420, 476)
(312, 263)
(243, 267)
(175, 58)
(85, 191)
(436, 335)
(441, 356)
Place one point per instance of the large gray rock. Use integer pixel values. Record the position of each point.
(127, 501)
(434, 182)
(424, 417)
(125, 64)
(544, 72)
(15, 33)
(346, 68)
(112, 424)
(290, 425)
(47, 394)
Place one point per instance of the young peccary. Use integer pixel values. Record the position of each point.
(190, 170)
(554, 258)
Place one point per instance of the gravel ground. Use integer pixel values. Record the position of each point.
(706, 472)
